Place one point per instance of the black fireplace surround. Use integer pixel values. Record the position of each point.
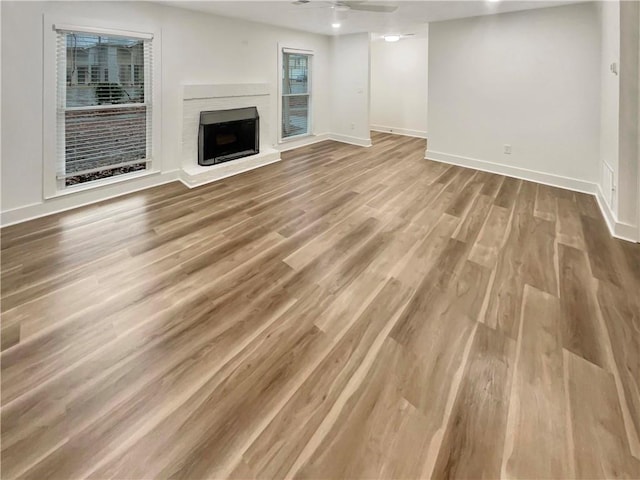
(228, 134)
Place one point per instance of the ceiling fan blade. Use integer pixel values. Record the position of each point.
(361, 7)
(308, 4)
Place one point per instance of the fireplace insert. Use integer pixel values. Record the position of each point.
(228, 135)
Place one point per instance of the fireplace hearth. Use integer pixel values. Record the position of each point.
(226, 135)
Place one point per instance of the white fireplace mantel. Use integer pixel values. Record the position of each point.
(192, 92)
(199, 98)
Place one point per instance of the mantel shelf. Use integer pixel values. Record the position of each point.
(194, 92)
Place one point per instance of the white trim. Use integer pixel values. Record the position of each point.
(86, 197)
(621, 230)
(102, 31)
(102, 169)
(361, 142)
(281, 51)
(189, 177)
(609, 178)
(399, 131)
(196, 175)
(321, 137)
(294, 138)
(101, 182)
(617, 229)
(49, 109)
(607, 213)
(516, 172)
(302, 142)
(50, 183)
(301, 51)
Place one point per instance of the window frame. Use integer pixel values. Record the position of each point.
(52, 186)
(282, 49)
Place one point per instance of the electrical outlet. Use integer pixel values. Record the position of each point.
(353, 126)
(507, 149)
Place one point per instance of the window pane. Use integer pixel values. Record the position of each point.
(295, 78)
(99, 138)
(295, 115)
(116, 65)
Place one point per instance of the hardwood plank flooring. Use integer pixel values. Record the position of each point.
(539, 445)
(344, 313)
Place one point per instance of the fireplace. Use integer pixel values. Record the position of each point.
(227, 135)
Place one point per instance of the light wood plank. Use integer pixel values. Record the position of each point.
(568, 225)
(581, 332)
(601, 450)
(537, 444)
(545, 203)
(485, 250)
(474, 438)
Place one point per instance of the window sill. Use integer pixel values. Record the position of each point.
(295, 137)
(103, 183)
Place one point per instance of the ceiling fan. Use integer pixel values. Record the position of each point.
(347, 5)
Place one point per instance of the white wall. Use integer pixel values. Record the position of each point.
(609, 14)
(619, 181)
(529, 79)
(399, 79)
(629, 159)
(0, 105)
(196, 48)
(350, 88)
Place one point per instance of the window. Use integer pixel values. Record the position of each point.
(138, 74)
(82, 74)
(103, 118)
(125, 74)
(296, 93)
(95, 73)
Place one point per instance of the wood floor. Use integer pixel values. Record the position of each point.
(345, 313)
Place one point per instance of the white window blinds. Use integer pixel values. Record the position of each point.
(296, 101)
(103, 105)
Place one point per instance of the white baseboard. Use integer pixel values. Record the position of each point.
(516, 172)
(194, 178)
(302, 142)
(361, 142)
(399, 131)
(190, 177)
(86, 197)
(321, 137)
(617, 229)
(621, 230)
(196, 175)
(628, 232)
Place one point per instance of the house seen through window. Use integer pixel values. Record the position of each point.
(104, 106)
(296, 94)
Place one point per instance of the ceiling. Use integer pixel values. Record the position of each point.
(317, 15)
